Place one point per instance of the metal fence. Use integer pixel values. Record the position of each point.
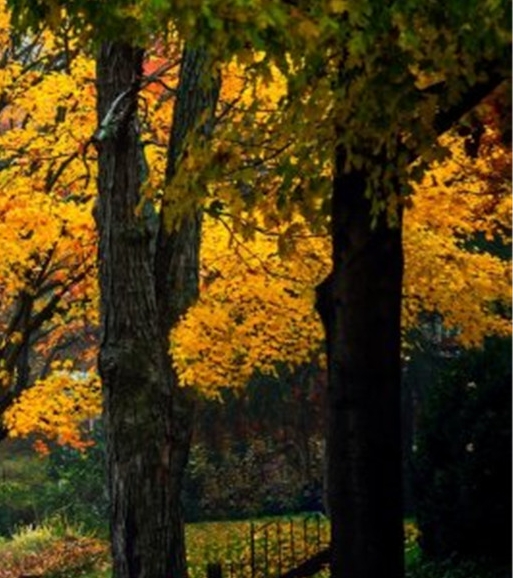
(275, 548)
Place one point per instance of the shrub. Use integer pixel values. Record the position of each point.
(67, 482)
(52, 550)
(463, 461)
(22, 478)
(248, 480)
(454, 568)
(76, 484)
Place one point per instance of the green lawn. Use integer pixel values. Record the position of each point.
(57, 549)
(57, 544)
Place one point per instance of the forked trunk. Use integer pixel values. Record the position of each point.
(145, 286)
(360, 305)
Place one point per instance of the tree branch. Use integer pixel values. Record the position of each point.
(445, 119)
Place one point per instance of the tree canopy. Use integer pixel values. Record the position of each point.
(261, 256)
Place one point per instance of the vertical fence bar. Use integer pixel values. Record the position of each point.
(214, 570)
(266, 553)
(318, 525)
(305, 537)
(278, 540)
(252, 548)
(292, 549)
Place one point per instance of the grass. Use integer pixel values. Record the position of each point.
(57, 549)
(27, 541)
(282, 538)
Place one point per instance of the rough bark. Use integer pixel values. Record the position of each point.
(177, 262)
(137, 400)
(360, 305)
(145, 286)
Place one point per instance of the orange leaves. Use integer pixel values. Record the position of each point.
(47, 184)
(45, 244)
(57, 406)
(256, 310)
(266, 164)
(45, 179)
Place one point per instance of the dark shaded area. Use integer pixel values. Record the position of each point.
(462, 463)
(259, 451)
(311, 566)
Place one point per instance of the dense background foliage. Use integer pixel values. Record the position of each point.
(462, 464)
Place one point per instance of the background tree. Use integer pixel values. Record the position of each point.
(47, 268)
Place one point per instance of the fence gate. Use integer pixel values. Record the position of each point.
(276, 548)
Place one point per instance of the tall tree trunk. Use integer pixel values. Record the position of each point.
(177, 262)
(132, 365)
(145, 287)
(360, 305)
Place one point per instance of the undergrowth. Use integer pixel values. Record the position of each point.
(54, 549)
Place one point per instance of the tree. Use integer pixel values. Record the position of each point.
(360, 302)
(148, 278)
(256, 307)
(47, 269)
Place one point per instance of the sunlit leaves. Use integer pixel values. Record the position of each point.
(459, 209)
(265, 175)
(56, 406)
(254, 309)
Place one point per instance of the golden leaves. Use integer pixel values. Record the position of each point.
(455, 215)
(255, 310)
(57, 406)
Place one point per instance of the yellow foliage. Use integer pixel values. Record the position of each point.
(460, 203)
(56, 406)
(260, 265)
(254, 309)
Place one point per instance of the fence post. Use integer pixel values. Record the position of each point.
(214, 570)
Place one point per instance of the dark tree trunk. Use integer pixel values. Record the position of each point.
(360, 305)
(145, 287)
(177, 263)
(132, 365)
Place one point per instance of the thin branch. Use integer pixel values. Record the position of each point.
(53, 176)
(252, 254)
